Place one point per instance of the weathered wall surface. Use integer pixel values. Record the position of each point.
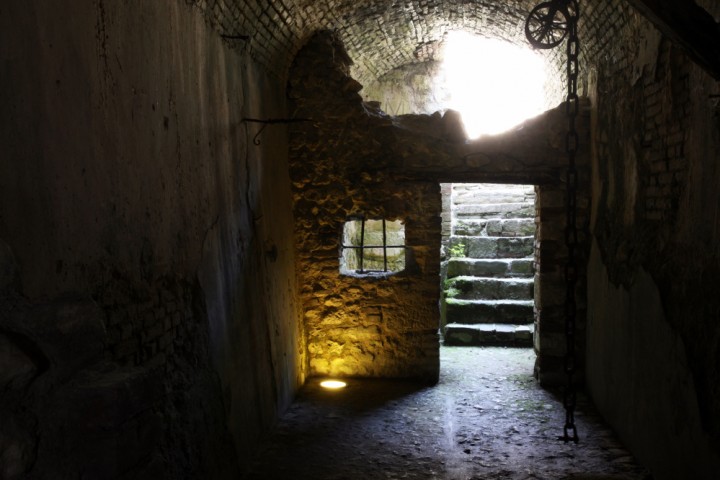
(358, 326)
(410, 89)
(349, 158)
(653, 332)
(147, 320)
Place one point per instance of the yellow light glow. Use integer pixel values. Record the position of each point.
(493, 84)
(333, 384)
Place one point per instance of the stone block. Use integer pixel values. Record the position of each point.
(497, 210)
(469, 227)
(476, 288)
(515, 247)
(511, 228)
(477, 267)
(488, 335)
(521, 267)
(481, 247)
(488, 311)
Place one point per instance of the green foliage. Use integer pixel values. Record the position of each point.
(452, 292)
(457, 250)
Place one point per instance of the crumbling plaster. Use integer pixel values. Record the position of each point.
(653, 336)
(148, 320)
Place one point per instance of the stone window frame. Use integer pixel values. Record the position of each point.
(362, 247)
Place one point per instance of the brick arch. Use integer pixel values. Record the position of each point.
(381, 36)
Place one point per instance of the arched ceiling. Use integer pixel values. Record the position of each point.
(379, 35)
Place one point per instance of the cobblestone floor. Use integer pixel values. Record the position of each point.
(486, 419)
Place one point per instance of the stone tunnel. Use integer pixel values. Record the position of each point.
(175, 178)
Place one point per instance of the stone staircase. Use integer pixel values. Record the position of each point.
(488, 285)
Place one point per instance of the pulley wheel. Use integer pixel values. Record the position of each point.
(547, 25)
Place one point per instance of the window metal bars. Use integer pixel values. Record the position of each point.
(362, 247)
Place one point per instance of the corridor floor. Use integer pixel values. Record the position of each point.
(486, 419)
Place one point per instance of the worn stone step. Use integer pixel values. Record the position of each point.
(489, 191)
(514, 227)
(488, 311)
(480, 267)
(470, 227)
(496, 210)
(478, 198)
(489, 335)
(489, 288)
(493, 247)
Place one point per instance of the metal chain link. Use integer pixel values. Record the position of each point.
(571, 231)
(546, 26)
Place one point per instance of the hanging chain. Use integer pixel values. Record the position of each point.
(571, 231)
(547, 25)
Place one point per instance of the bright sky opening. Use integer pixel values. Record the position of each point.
(493, 84)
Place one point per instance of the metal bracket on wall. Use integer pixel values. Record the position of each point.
(271, 121)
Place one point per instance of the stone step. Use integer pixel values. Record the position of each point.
(515, 227)
(489, 335)
(470, 190)
(506, 267)
(493, 247)
(489, 288)
(496, 210)
(488, 311)
(478, 198)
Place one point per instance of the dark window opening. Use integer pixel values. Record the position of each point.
(372, 247)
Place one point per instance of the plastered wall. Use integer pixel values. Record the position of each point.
(148, 320)
(653, 333)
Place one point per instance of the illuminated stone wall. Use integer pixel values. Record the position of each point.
(377, 325)
(349, 158)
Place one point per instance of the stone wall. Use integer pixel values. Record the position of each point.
(349, 158)
(653, 335)
(382, 325)
(148, 324)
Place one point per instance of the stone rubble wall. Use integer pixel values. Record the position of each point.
(379, 326)
(349, 159)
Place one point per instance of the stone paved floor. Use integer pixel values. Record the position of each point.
(485, 419)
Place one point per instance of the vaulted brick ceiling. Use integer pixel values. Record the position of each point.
(381, 35)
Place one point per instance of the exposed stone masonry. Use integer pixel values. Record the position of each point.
(350, 159)
(484, 303)
(369, 326)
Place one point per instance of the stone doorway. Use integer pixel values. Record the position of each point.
(487, 274)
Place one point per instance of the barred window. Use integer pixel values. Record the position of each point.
(372, 247)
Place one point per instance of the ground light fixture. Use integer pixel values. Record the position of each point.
(332, 384)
